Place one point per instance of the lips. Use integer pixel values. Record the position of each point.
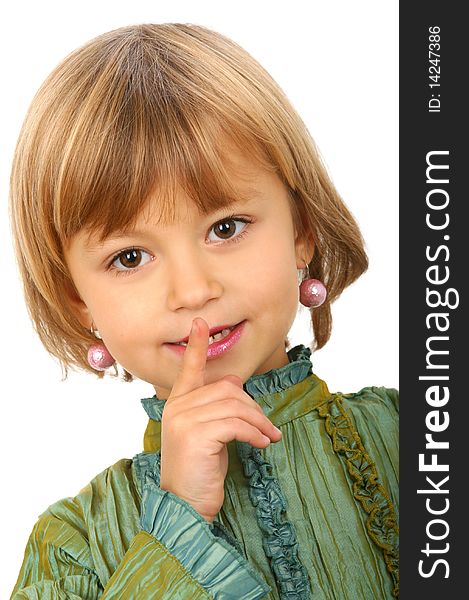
(217, 347)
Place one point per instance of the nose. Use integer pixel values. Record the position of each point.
(192, 283)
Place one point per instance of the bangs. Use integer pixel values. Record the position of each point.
(144, 170)
(140, 128)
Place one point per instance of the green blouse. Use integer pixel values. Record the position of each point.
(313, 516)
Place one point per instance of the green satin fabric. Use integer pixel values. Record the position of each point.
(337, 469)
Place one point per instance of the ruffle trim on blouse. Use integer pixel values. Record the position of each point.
(381, 523)
(187, 536)
(148, 464)
(154, 407)
(279, 538)
(277, 380)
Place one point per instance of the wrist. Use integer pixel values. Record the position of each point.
(208, 518)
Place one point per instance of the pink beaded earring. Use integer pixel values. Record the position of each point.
(99, 357)
(312, 291)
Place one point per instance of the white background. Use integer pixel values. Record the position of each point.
(337, 61)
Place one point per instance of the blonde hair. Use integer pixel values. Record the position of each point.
(142, 110)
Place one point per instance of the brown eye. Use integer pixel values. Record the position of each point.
(225, 229)
(130, 259)
(228, 229)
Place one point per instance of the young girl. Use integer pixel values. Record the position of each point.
(170, 211)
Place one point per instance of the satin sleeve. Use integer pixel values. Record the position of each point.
(175, 555)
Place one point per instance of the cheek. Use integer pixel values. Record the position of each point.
(128, 343)
(276, 283)
(120, 320)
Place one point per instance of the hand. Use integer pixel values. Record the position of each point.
(198, 421)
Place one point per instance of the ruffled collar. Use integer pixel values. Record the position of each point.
(283, 393)
(277, 380)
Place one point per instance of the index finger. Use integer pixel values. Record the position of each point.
(192, 372)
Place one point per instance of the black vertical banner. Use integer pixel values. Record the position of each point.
(434, 260)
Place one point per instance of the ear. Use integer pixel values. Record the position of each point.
(77, 305)
(304, 250)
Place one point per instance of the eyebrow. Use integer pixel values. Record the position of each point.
(93, 245)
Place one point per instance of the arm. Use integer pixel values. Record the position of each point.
(175, 555)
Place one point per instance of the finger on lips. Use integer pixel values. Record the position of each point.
(192, 372)
(192, 376)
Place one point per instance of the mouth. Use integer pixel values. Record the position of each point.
(216, 333)
(221, 339)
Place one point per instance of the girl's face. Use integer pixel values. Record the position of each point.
(143, 288)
